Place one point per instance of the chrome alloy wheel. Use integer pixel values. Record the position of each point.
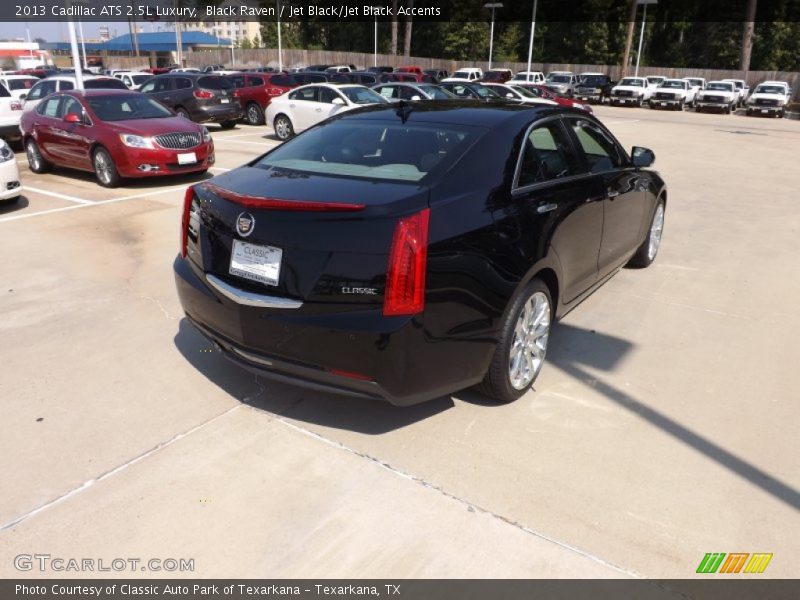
(253, 114)
(102, 166)
(282, 128)
(655, 232)
(34, 158)
(529, 344)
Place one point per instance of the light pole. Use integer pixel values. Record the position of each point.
(234, 29)
(83, 45)
(641, 33)
(533, 31)
(375, 49)
(280, 48)
(492, 6)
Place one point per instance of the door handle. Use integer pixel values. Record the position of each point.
(319, 110)
(612, 194)
(545, 208)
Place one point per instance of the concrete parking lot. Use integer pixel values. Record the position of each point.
(664, 424)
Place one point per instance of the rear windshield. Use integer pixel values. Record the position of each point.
(214, 83)
(437, 93)
(358, 95)
(374, 150)
(21, 84)
(127, 107)
(105, 84)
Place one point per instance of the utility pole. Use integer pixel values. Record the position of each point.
(641, 34)
(533, 31)
(492, 6)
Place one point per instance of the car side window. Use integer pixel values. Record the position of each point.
(546, 155)
(181, 83)
(406, 93)
(308, 94)
(148, 87)
(601, 152)
(66, 85)
(162, 85)
(255, 82)
(70, 106)
(387, 91)
(50, 107)
(41, 89)
(327, 95)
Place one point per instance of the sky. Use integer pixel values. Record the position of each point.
(57, 31)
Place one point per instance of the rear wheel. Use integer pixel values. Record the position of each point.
(255, 116)
(36, 161)
(104, 168)
(728, 109)
(647, 252)
(283, 127)
(182, 112)
(520, 352)
(228, 124)
(680, 105)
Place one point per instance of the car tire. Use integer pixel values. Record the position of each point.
(182, 112)
(728, 109)
(36, 161)
(640, 102)
(748, 112)
(519, 355)
(283, 127)
(228, 124)
(254, 114)
(104, 168)
(680, 105)
(647, 252)
(10, 201)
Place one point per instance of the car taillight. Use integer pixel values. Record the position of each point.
(236, 93)
(203, 94)
(280, 204)
(405, 278)
(188, 198)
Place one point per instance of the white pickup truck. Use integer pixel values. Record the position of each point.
(630, 90)
(769, 98)
(718, 95)
(673, 93)
(741, 90)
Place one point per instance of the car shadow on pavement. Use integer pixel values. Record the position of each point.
(10, 207)
(580, 353)
(296, 403)
(139, 183)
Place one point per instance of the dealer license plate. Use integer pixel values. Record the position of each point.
(764, 111)
(663, 104)
(187, 158)
(257, 263)
(225, 100)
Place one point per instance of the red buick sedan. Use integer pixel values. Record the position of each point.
(114, 133)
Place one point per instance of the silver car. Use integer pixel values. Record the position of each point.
(394, 92)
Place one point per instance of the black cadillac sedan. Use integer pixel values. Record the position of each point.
(407, 252)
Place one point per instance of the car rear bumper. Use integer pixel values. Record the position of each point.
(218, 114)
(356, 353)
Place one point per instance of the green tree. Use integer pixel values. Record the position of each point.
(466, 41)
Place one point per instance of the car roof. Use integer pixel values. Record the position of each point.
(21, 77)
(73, 78)
(488, 114)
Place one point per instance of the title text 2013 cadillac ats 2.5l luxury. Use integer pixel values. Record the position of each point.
(405, 252)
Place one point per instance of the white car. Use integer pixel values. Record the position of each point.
(769, 98)
(630, 90)
(528, 78)
(61, 83)
(718, 95)
(307, 105)
(742, 90)
(469, 74)
(133, 80)
(517, 93)
(19, 85)
(10, 115)
(10, 186)
(673, 93)
(338, 69)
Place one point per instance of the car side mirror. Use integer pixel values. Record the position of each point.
(23, 96)
(73, 118)
(642, 157)
(337, 101)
